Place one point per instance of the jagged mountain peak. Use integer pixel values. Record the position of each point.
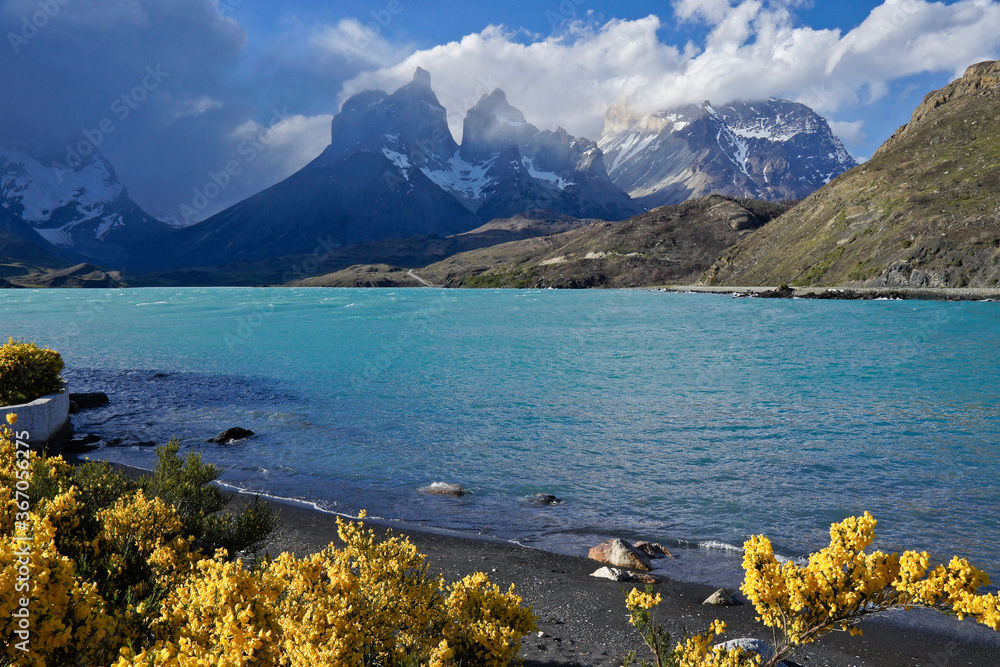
(410, 121)
(492, 124)
(496, 103)
(421, 78)
(419, 88)
(618, 118)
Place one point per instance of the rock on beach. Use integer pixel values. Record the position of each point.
(620, 553)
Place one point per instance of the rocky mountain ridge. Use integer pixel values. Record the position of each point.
(393, 171)
(771, 149)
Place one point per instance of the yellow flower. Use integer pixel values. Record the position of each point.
(11, 418)
(642, 600)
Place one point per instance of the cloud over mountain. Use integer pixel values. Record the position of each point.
(751, 50)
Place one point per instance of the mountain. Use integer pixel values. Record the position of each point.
(507, 166)
(923, 212)
(670, 244)
(83, 212)
(21, 247)
(772, 150)
(393, 171)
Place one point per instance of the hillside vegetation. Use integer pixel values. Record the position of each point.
(670, 244)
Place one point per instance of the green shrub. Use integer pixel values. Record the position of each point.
(28, 372)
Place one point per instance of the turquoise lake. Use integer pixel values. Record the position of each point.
(692, 420)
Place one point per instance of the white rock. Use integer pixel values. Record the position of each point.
(752, 645)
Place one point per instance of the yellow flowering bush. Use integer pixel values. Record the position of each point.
(485, 625)
(68, 620)
(838, 587)
(222, 615)
(842, 584)
(110, 573)
(28, 372)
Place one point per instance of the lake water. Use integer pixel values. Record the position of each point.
(692, 420)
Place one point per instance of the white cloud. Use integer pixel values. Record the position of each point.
(754, 50)
(355, 41)
(712, 11)
(850, 132)
(291, 143)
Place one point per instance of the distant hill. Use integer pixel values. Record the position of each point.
(363, 275)
(923, 212)
(671, 244)
(407, 253)
(79, 276)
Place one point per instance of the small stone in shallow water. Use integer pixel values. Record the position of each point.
(444, 488)
(232, 435)
(545, 499)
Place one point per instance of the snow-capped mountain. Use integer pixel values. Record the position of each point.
(772, 149)
(393, 171)
(84, 212)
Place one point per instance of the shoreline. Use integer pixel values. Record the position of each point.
(583, 621)
(842, 293)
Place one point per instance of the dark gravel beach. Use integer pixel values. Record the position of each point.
(583, 620)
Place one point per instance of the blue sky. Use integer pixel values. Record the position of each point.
(248, 72)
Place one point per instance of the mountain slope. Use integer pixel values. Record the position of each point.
(923, 212)
(21, 249)
(83, 212)
(669, 244)
(772, 149)
(366, 186)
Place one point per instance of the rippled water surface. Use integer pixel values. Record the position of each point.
(680, 418)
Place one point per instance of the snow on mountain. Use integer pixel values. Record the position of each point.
(465, 180)
(84, 211)
(504, 165)
(771, 149)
